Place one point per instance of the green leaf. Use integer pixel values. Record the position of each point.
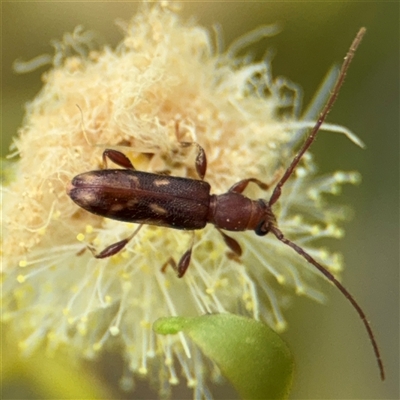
(249, 353)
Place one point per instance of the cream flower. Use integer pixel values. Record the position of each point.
(162, 85)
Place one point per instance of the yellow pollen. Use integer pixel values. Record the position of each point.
(82, 329)
(173, 380)
(249, 305)
(300, 290)
(167, 283)
(114, 330)
(214, 255)
(315, 230)
(97, 346)
(168, 361)
(80, 237)
(281, 279)
(280, 326)
(145, 324)
(323, 254)
(125, 254)
(23, 263)
(192, 383)
(335, 190)
(143, 370)
(108, 299)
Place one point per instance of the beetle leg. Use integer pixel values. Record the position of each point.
(115, 247)
(117, 158)
(170, 262)
(201, 159)
(232, 243)
(240, 186)
(182, 266)
(183, 263)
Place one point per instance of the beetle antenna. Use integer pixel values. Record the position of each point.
(311, 137)
(279, 235)
(278, 189)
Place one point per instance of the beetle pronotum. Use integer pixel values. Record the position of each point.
(182, 203)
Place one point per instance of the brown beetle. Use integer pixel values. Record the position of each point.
(181, 203)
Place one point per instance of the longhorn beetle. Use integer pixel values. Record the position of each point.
(181, 203)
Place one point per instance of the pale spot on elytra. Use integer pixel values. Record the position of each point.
(116, 207)
(161, 182)
(158, 209)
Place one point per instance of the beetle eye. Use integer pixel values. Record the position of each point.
(262, 229)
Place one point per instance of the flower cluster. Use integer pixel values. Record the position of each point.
(162, 85)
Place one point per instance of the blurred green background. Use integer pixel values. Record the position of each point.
(333, 355)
